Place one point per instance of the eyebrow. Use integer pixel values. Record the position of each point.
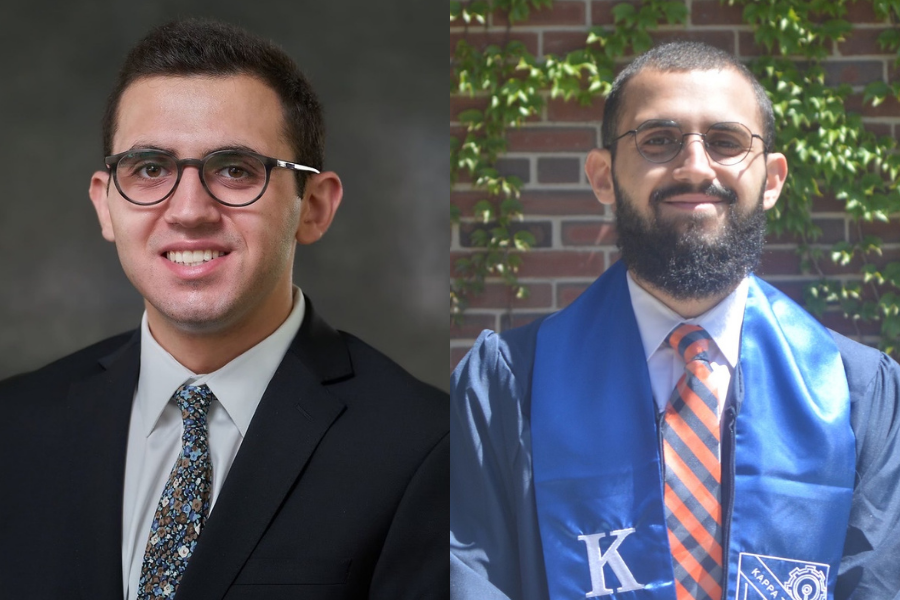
(142, 145)
(729, 126)
(658, 123)
(719, 125)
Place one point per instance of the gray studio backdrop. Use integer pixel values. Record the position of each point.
(379, 68)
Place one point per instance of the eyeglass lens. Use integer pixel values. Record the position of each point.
(726, 143)
(147, 177)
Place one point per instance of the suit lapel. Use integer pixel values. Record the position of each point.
(98, 412)
(294, 414)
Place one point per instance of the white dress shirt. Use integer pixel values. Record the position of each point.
(655, 321)
(154, 434)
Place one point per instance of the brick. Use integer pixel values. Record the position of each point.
(465, 201)
(747, 46)
(715, 12)
(721, 39)
(831, 268)
(879, 129)
(561, 203)
(560, 13)
(838, 322)
(862, 41)
(793, 289)
(509, 321)
(517, 167)
(562, 263)
(558, 170)
(463, 176)
(454, 257)
(561, 110)
(832, 232)
(471, 324)
(541, 230)
(561, 43)
(887, 256)
(566, 293)
(456, 355)
(888, 232)
(581, 233)
(551, 139)
(483, 39)
(853, 72)
(827, 203)
(779, 262)
(460, 103)
(889, 108)
(861, 12)
(893, 72)
(498, 295)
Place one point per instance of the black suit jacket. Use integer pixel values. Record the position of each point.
(339, 489)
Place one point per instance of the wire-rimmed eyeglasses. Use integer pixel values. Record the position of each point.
(147, 176)
(659, 141)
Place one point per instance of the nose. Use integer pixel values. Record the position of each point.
(694, 164)
(190, 205)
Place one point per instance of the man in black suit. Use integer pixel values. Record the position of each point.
(306, 464)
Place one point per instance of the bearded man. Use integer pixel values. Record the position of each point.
(682, 430)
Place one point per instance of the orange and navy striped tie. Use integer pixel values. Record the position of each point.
(693, 471)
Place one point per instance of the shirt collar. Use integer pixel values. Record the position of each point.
(723, 321)
(238, 386)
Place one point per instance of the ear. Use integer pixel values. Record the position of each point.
(776, 173)
(99, 193)
(321, 199)
(598, 168)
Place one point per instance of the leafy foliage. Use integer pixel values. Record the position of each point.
(513, 85)
(830, 152)
(828, 149)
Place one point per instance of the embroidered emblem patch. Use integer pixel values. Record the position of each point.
(776, 578)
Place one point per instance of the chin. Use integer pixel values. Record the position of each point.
(193, 317)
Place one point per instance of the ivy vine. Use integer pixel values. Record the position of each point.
(827, 147)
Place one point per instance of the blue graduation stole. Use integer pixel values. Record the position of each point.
(596, 457)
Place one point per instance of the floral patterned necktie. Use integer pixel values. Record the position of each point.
(184, 503)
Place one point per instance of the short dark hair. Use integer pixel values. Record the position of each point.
(212, 48)
(683, 56)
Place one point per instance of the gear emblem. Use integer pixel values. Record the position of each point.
(807, 583)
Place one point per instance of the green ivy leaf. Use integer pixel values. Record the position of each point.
(623, 13)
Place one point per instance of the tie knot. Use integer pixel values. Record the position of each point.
(194, 403)
(691, 342)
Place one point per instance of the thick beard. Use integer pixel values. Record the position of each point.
(690, 264)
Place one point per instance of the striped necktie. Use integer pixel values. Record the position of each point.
(693, 471)
(184, 504)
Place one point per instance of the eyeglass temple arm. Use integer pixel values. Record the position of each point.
(289, 165)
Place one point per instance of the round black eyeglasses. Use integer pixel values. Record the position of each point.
(661, 141)
(232, 177)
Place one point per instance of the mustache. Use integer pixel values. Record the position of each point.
(712, 190)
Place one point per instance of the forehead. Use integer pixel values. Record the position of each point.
(695, 99)
(200, 113)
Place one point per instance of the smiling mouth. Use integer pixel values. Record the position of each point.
(192, 258)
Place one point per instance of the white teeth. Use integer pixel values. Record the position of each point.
(193, 258)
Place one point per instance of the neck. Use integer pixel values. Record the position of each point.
(687, 308)
(204, 350)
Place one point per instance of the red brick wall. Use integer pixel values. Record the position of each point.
(575, 235)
